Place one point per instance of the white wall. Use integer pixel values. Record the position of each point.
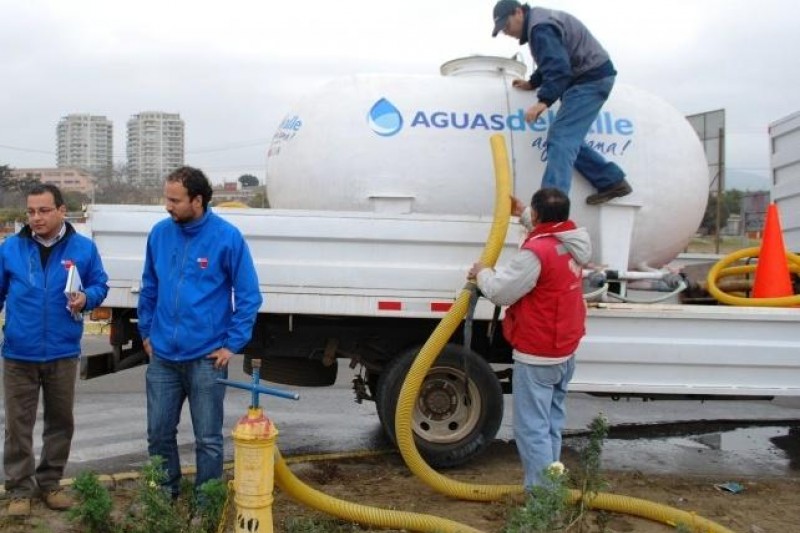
(785, 169)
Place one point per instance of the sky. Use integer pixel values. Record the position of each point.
(233, 69)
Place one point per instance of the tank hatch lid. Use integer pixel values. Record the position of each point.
(483, 66)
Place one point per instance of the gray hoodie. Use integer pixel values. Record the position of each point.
(509, 283)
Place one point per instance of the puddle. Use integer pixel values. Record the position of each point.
(704, 448)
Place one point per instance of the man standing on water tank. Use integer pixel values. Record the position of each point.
(572, 66)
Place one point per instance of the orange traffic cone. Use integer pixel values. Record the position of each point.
(772, 272)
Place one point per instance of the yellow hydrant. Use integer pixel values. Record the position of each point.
(253, 470)
(254, 458)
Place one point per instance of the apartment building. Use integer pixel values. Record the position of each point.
(155, 145)
(85, 141)
(66, 179)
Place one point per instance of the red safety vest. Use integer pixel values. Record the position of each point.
(550, 320)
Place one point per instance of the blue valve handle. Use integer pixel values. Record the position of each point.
(257, 389)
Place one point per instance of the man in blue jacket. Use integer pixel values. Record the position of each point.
(42, 335)
(197, 307)
(572, 66)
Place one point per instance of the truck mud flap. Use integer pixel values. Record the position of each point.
(295, 371)
(101, 364)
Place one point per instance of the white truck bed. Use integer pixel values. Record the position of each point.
(314, 262)
(373, 265)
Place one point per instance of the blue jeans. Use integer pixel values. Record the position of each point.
(168, 385)
(566, 147)
(540, 393)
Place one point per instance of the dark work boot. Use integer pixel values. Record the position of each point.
(623, 188)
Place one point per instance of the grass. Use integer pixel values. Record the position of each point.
(152, 508)
(708, 245)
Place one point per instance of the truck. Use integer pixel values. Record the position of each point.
(784, 142)
(381, 203)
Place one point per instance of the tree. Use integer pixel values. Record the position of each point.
(121, 173)
(14, 189)
(5, 174)
(125, 193)
(709, 223)
(75, 200)
(258, 200)
(248, 180)
(732, 199)
(731, 203)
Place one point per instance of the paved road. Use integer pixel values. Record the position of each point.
(111, 429)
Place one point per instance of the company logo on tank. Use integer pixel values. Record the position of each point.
(386, 120)
(286, 132)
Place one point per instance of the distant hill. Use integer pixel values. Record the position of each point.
(746, 180)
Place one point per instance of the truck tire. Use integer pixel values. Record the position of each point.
(452, 423)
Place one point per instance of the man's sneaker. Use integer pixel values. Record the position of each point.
(622, 188)
(19, 507)
(57, 500)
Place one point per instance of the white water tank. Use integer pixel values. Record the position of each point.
(420, 144)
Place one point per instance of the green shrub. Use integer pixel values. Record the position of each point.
(152, 509)
(212, 496)
(93, 508)
(547, 507)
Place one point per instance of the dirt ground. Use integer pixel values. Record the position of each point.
(766, 505)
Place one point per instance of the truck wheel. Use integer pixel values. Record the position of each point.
(453, 421)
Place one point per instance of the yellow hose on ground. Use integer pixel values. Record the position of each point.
(433, 347)
(722, 269)
(361, 514)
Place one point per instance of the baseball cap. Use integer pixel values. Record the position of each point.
(502, 10)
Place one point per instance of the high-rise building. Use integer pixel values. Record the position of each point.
(85, 141)
(155, 146)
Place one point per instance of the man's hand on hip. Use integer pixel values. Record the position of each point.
(221, 357)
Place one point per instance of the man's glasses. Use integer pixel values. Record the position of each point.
(42, 211)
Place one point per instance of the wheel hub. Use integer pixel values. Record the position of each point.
(446, 411)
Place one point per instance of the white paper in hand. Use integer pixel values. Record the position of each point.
(73, 287)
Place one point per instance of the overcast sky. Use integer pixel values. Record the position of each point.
(234, 68)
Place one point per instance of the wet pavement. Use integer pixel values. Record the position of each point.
(707, 448)
(720, 438)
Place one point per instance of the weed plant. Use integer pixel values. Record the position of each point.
(210, 504)
(93, 506)
(587, 478)
(547, 507)
(153, 508)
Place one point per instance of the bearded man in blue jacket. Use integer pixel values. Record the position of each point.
(197, 307)
(42, 336)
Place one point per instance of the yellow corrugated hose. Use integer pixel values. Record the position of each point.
(430, 351)
(722, 269)
(361, 514)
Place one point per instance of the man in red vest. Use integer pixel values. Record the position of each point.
(544, 323)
